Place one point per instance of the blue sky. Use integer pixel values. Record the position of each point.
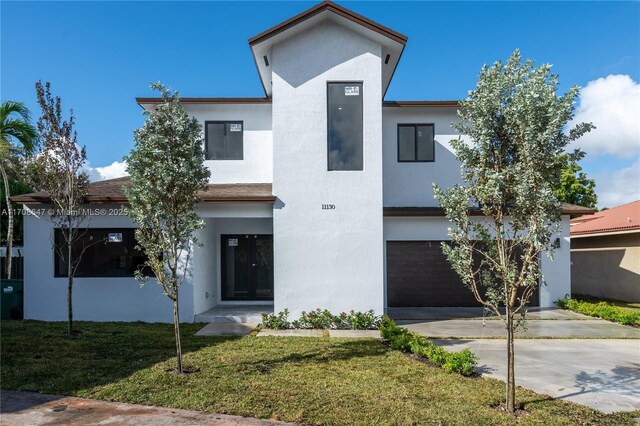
(100, 55)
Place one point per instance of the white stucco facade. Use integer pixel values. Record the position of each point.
(333, 258)
(340, 248)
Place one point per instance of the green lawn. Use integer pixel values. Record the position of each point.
(626, 306)
(309, 380)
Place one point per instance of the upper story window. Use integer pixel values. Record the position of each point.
(344, 126)
(416, 143)
(223, 140)
(105, 253)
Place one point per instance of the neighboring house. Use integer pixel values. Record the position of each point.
(605, 253)
(320, 193)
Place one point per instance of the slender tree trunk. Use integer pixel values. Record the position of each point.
(511, 377)
(70, 283)
(176, 329)
(9, 252)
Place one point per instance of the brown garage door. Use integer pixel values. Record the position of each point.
(418, 274)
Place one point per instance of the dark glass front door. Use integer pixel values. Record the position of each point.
(247, 267)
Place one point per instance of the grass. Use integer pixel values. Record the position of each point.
(625, 306)
(309, 380)
(615, 311)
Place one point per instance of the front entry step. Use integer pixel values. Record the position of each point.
(226, 329)
(243, 314)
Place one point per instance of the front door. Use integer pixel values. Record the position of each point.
(247, 267)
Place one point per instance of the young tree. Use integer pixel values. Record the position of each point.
(59, 170)
(511, 165)
(167, 171)
(18, 138)
(575, 187)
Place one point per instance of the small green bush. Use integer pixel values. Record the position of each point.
(323, 319)
(602, 310)
(278, 321)
(402, 339)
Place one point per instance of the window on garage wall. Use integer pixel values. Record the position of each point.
(416, 143)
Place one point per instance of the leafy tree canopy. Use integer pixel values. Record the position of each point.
(512, 161)
(575, 186)
(167, 171)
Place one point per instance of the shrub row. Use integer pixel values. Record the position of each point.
(402, 339)
(602, 310)
(323, 319)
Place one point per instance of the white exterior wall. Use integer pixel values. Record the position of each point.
(557, 272)
(410, 184)
(325, 258)
(257, 163)
(94, 299)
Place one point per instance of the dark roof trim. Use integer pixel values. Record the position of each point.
(30, 200)
(141, 101)
(405, 104)
(567, 209)
(338, 10)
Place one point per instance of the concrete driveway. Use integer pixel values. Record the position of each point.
(602, 374)
(562, 354)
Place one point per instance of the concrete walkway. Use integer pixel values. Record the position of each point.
(602, 374)
(31, 409)
(469, 329)
(435, 313)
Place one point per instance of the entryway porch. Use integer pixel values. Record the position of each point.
(245, 314)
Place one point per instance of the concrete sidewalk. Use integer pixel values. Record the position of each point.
(31, 409)
(602, 374)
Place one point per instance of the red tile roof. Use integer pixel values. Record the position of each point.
(622, 218)
(110, 191)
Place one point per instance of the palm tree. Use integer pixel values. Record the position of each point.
(17, 137)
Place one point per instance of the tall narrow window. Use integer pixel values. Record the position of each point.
(344, 126)
(416, 142)
(223, 140)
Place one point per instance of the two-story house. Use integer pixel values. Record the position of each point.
(320, 193)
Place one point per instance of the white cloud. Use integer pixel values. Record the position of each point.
(114, 170)
(612, 104)
(619, 186)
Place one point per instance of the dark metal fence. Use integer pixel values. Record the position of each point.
(17, 267)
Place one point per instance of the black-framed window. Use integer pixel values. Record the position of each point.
(224, 140)
(416, 143)
(108, 252)
(344, 126)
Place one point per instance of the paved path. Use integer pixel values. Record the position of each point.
(602, 374)
(591, 328)
(31, 409)
(438, 313)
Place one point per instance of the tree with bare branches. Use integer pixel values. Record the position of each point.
(59, 170)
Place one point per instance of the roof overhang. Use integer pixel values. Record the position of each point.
(152, 102)
(111, 192)
(391, 41)
(567, 209)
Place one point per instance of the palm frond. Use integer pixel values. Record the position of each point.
(15, 126)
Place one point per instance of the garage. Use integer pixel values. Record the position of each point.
(418, 274)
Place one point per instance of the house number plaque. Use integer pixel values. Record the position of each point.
(328, 207)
